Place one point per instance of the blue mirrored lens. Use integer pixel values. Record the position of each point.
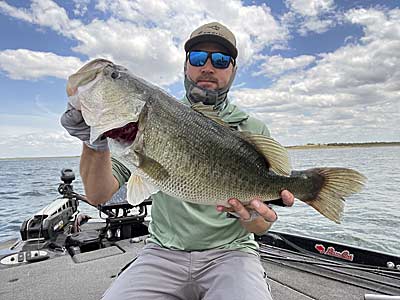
(220, 60)
(198, 58)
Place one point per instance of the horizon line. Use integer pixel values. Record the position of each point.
(308, 145)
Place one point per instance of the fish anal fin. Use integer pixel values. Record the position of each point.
(275, 154)
(139, 189)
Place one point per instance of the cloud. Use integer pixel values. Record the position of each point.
(30, 65)
(21, 14)
(277, 65)
(350, 94)
(135, 47)
(148, 36)
(38, 144)
(314, 24)
(307, 16)
(377, 24)
(35, 135)
(175, 20)
(45, 13)
(310, 7)
(80, 7)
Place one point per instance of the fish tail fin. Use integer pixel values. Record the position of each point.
(334, 184)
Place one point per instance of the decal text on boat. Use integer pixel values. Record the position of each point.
(330, 251)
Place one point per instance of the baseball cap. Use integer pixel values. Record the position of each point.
(213, 32)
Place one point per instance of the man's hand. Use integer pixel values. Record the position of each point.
(76, 126)
(267, 216)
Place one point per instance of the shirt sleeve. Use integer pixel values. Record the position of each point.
(120, 172)
(255, 126)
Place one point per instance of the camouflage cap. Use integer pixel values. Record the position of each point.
(213, 32)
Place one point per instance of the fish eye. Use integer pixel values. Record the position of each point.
(114, 75)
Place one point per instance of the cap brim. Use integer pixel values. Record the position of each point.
(212, 38)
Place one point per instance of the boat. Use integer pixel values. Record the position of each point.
(64, 254)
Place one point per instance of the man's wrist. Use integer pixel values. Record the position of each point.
(258, 226)
(98, 145)
(265, 230)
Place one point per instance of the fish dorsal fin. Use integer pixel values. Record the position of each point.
(276, 155)
(139, 189)
(209, 112)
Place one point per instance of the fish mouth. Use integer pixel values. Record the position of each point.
(125, 134)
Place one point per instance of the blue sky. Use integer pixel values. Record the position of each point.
(315, 71)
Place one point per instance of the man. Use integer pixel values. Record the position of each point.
(194, 251)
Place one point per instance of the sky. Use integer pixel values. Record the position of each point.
(314, 71)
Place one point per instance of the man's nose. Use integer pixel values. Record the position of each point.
(208, 67)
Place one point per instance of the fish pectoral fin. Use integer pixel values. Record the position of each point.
(275, 154)
(151, 167)
(139, 189)
(209, 112)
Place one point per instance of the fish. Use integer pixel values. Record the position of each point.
(190, 152)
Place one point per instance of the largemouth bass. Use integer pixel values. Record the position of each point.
(189, 152)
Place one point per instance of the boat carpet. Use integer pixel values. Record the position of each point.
(87, 276)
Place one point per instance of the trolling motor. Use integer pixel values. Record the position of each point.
(66, 189)
(49, 221)
(59, 223)
(43, 234)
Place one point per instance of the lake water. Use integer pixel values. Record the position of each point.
(371, 219)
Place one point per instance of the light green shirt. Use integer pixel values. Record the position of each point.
(181, 225)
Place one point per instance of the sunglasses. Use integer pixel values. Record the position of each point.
(218, 60)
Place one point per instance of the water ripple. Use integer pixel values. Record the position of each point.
(371, 219)
(32, 193)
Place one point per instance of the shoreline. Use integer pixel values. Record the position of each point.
(342, 145)
(38, 157)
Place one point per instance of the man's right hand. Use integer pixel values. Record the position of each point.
(76, 126)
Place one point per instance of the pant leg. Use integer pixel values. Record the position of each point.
(157, 273)
(231, 274)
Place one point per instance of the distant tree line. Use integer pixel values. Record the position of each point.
(357, 144)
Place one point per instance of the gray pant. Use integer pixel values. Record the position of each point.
(160, 273)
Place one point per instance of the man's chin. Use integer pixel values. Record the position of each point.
(211, 86)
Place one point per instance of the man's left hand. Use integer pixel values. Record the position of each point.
(267, 216)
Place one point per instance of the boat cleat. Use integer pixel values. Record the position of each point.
(25, 257)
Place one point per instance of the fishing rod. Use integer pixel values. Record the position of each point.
(327, 266)
(373, 269)
(332, 264)
(359, 285)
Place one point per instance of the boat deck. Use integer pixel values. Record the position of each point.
(291, 275)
